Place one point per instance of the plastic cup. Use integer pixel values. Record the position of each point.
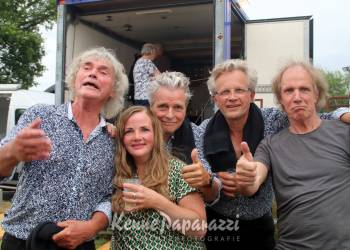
(129, 205)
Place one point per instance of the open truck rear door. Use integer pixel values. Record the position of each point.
(269, 43)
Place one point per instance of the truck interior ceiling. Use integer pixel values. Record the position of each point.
(183, 28)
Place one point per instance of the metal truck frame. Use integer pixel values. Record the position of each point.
(196, 34)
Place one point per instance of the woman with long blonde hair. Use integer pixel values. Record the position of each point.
(163, 210)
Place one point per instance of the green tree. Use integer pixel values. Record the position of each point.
(21, 44)
(338, 82)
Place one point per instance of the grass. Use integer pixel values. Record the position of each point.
(102, 238)
(4, 206)
(100, 242)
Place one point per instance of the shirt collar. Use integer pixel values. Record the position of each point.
(70, 116)
(70, 111)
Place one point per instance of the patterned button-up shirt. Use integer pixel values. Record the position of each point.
(73, 183)
(144, 71)
(250, 208)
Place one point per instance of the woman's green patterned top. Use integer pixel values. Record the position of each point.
(147, 229)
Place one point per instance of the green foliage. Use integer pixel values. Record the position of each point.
(338, 82)
(21, 44)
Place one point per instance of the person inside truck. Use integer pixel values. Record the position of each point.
(144, 72)
(161, 211)
(232, 87)
(68, 155)
(309, 163)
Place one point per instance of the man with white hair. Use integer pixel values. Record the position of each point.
(169, 95)
(68, 155)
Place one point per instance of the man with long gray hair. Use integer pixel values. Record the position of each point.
(309, 163)
(69, 157)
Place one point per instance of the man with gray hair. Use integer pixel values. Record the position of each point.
(69, 157)
(169, 95)
(144, 71)
(309, 163)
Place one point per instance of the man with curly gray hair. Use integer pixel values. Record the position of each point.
(68, 157)
(120, 84)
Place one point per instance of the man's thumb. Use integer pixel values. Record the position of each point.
(246, 151)
(35, 124)
(194, 155)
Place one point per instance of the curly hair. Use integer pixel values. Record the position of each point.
(114, 105)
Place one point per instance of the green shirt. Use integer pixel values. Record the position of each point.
(147, 229)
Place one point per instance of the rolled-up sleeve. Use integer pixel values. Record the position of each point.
(336, 114)
(106, 208)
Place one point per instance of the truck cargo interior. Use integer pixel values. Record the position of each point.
(183, 28)
(195, 35)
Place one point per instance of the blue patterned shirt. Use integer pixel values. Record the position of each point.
(73, 183)
(253, 207)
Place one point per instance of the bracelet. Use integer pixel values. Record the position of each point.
(218, 181)
(211, 179)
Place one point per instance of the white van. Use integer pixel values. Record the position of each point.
(13, 103)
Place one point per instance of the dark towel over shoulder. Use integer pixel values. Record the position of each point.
(218, 148)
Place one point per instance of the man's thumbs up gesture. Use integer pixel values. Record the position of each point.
(195, 174)
(248, 173)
